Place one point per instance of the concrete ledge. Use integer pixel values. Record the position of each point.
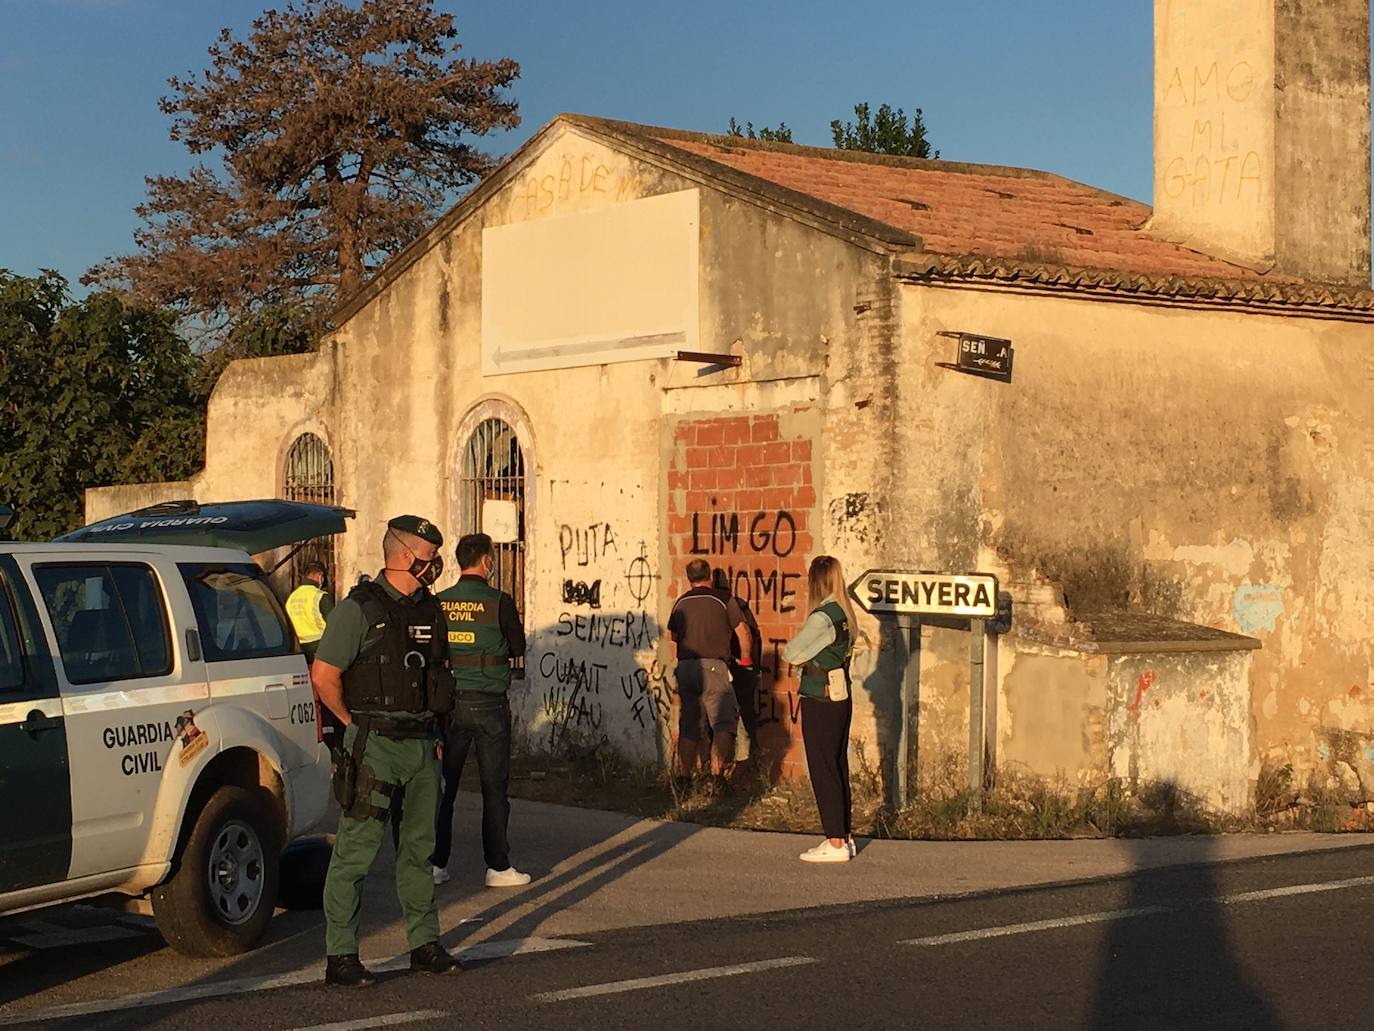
(1136, 633)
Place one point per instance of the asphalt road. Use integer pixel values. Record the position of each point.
(1280, 942)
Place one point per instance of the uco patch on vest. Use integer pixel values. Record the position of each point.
(462, 637)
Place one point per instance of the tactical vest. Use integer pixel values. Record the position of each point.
(303, 607)
(476, 645)
(391, 675)
(833, 656)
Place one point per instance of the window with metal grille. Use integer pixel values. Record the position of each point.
(494, 471)
(309, 476)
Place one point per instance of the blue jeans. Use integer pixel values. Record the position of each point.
(481, 720)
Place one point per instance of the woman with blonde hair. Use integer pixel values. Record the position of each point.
(823, 649)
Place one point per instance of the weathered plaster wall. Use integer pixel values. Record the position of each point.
(1205, 466)
(1053, 712)
(1184, 719)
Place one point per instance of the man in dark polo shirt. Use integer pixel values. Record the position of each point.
(701, 625)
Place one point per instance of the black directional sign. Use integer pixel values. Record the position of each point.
(885, 592)
(990, 357)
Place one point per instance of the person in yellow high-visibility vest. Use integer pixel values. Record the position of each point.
(308, 607)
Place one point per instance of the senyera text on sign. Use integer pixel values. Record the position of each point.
(893, 592)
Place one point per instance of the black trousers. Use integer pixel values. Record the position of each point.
(825, 735)
(746, 683)
(482, 722)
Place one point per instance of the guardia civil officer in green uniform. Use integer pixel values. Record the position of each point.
(382, 668)
(484, 634)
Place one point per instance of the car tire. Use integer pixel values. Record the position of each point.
(224, 882)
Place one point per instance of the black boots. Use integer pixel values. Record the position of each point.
(432, 959)
(347, 972)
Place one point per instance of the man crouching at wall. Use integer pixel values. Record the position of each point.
(382, 668)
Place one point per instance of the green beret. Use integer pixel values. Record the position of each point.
(421, 528)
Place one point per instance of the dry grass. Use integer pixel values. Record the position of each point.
(1019, 806)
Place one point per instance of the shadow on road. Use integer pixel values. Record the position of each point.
(1176, 969)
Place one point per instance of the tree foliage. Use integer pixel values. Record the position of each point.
(782, 134)
(885, 132)
(341, 132)
(91, 393)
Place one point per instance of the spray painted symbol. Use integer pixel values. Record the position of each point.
(640, 576)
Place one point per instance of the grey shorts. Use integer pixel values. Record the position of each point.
(708, 700)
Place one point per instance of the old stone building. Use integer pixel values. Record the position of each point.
(1176, 488)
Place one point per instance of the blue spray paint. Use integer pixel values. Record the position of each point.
(1257, 607)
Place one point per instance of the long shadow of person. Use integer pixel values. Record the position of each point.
(1174, 965)
(884, 685)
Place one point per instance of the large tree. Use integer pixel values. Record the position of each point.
(91, 393)
(341, 131)
(885, 132)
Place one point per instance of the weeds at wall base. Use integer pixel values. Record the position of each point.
(1018, 805)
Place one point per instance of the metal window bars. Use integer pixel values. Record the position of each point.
(494, 470)
(309, 476)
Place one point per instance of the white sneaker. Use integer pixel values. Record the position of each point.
(509, 878)
(440, 874)
(826, 853)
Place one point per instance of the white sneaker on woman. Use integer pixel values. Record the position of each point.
(507, 878)
(826, 853)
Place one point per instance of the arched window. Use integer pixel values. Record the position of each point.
(309, 476)
(491, 490)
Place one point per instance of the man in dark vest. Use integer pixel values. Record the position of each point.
(382, 668)
(484, 634)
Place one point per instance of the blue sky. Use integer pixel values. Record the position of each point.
(1062, 86)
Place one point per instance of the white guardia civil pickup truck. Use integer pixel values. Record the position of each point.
(157, 735)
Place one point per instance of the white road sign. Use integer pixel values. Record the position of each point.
(885, 592)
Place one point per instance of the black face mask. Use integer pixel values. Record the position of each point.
(427, 571)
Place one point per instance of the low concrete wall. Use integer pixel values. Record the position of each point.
(103, 502)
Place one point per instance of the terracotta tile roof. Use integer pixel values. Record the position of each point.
(1015, 227)
(974, 210)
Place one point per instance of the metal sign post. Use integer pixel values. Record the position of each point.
(910, 628)
(909, 594)
(976, 653)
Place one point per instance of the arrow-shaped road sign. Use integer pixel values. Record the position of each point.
(886, 592)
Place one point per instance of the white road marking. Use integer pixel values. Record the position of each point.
(312, 975)
(1234, 898)
(705, 974)
(1295, 889)
(390, 1020)
(1006, 930)
(515, 947)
